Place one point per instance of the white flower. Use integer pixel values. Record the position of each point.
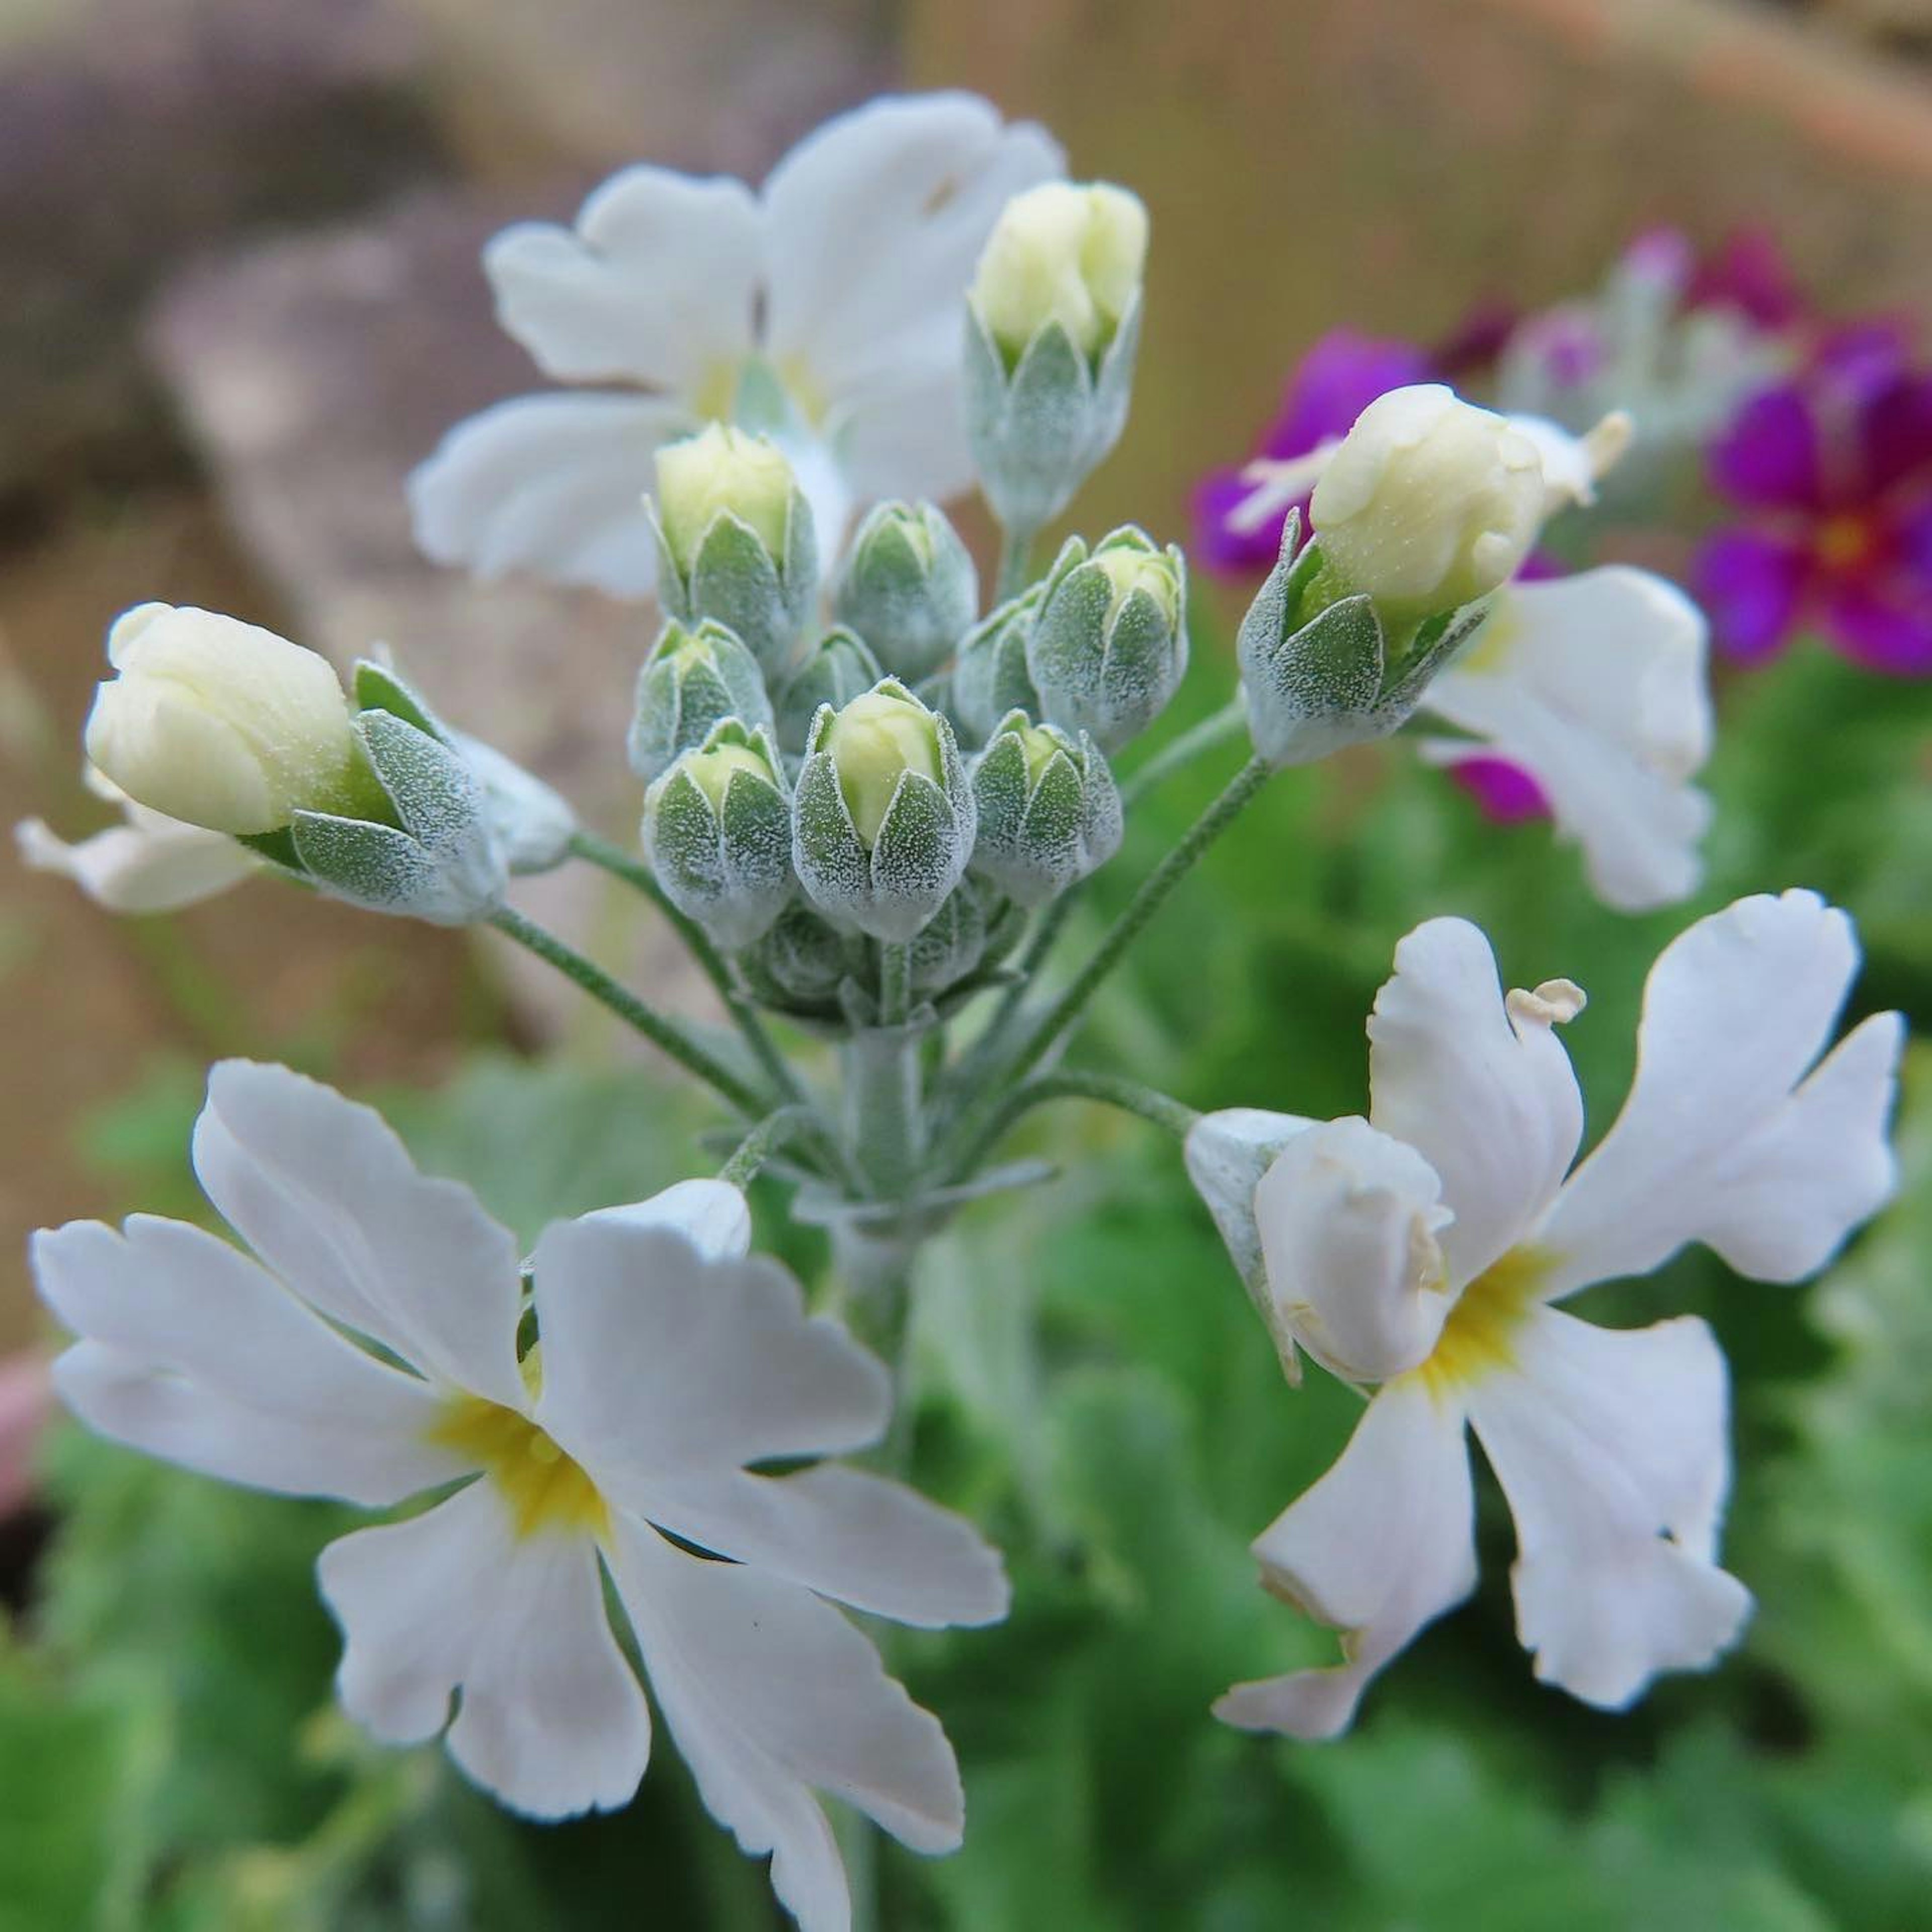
(149, 863)
(824, 309)
(1595, 685)
(1610, 1446)
(668, 1360)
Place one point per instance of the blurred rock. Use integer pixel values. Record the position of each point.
(1386, 162)
(136, 133)
(314, 374)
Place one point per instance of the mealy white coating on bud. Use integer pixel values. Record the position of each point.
(1066, 254)
(722, 469)
(1429, 503)
(873, 741)
(221, 723)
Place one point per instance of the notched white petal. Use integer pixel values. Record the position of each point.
(1612, 1449)
(1380, 1546)
(1731, 1136)
(551, 1721)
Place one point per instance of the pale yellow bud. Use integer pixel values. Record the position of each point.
(1064, 253)
(223, 724)
(873, 741)
(1129, 570)
(712, 771)
(719, 469)
(1430, 502)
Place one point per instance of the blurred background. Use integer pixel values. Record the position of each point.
(237, 249)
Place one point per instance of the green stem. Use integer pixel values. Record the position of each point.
(885, 1117)
(782, 1124)
(895, 984)
(1015, 557)
(1130, 1095)
(1229, 722)
(985, 1049)
(667, 1035)
(1154, 889)
(619, 864)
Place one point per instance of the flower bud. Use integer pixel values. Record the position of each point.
(735, 540)
(1061, 254)
(717, 830)
(1049, 810)
(991, 677)
(1317, 672)
(909, 588)
(1053, 325)
(837, 670)
(882, 822)
(799, 965)
(1110, 647)
(690, 680)
(952, 943)
(1429, 503)
(223, 724)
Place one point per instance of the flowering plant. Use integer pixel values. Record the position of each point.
(871, 803)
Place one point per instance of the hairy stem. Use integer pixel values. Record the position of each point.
(1015, 558)
(1154, 889)
(619, 864)
(1219, 727)
(669, 1036)
(781, 1125)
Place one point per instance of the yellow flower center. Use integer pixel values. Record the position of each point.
(1478, 1337)
(1843, 541)
(544, 1488)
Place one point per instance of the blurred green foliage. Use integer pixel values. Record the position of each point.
(1094, 1390)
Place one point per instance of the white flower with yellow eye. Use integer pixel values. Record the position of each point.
(823, 308)
(1425, 1249)
(668, 1360)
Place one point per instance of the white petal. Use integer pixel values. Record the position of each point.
(1348, 1221)
(657, 1361)
(657, 284)
(874, 1544)
(1612, 1450)
(1596, 685)
(769, 1693)
(152, 865)
(192, 1352)
(1479, 1088)
(323, 1191)
(903, 433)
(552, 484)
(1227, 1154)
(553, 1722)
(712, 1215)
(1381, 1545)
(874, 224)
(1724, 1138)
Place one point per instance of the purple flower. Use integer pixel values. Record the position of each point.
(1505, 793)
(1337, 380)
(1748, 273)
(1834, 472)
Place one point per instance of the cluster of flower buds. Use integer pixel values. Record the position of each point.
(372, 799)
(805, 804)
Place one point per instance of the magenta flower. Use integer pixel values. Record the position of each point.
(1336, 380)
(1834, 471)
(1748, 273)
